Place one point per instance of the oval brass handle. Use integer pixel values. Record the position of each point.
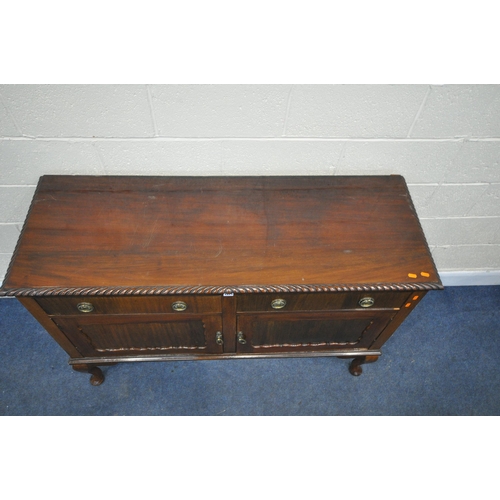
(367, 302)
(179, 306)
(218, 338)
(278, 303)
(241, 338)
(85, 307)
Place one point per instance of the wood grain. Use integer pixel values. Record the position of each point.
(122, 335)
(226, 247)
(157, 233)
(131, 305)
(285, 332)
(320, 301)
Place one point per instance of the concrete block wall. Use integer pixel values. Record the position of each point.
(444, 139)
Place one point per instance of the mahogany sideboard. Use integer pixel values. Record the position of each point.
(143, 268)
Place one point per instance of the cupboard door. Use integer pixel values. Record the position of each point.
(261, 333)
(125, 335)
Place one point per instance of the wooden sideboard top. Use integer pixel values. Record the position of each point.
(154, 235)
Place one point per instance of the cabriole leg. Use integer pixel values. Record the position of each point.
(355, 365)
(97, 377)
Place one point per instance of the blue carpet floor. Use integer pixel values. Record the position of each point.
(443, 360)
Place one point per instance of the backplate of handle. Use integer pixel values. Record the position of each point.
(367, 302)
(241, 338)
(179, 306)
(85, 307)
(278, 303)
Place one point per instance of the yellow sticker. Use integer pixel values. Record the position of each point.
(408, 305)
(411, 275)
(425, 275)
(416, 297)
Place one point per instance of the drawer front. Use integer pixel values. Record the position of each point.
(288, 302)
(321, 331)
(179, 304)
(126, 335)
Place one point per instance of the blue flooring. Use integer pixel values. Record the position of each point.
(443, 360)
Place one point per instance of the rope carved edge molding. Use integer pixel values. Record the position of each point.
(215, 290)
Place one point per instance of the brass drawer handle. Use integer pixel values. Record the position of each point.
(218, 338)
(179, 306)
(278, 303)
(85, 307)
(367, 302)
(241, 338)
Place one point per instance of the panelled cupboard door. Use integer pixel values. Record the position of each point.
(124, 335)
(279, 332)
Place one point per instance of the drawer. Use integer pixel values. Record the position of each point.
(131, 305)
(287, 302)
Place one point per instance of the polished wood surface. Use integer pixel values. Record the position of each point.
(355, 366)
(311, 331)
(97, 377)
(168, 268)
(131, 232)
(319, 301)
(123, 335)
(131, 305)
